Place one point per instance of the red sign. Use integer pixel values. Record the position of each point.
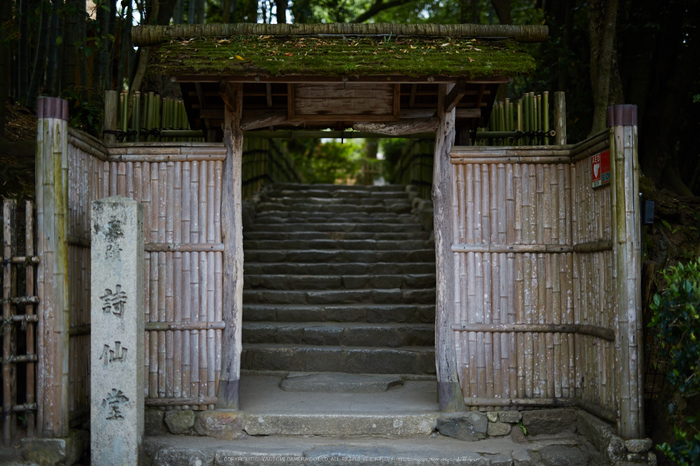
(600, 169)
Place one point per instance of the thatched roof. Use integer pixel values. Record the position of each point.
(153, 35)
(351, 51)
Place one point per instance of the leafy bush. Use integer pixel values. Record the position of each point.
(676, 321)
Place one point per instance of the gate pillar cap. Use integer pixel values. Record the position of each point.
(52, 107)
(622, 115)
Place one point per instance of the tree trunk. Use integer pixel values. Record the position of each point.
(503, 11)
(101, 58)
(602, 19)
(5, 12)
(178, 12)
(39, 59)
(190, 11)
(23, 55)
(125, 47)
(51, 65)
(469, 11)
(226, 10)
(199, 12)
(281, 11)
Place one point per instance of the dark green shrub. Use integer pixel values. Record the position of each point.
(676, 322)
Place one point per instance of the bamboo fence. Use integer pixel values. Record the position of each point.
(525, 122)
(146, 118)
(536, 318)
(535, 297)
(18, 321)
(179, 185)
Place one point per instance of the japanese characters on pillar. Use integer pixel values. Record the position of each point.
(117, 332)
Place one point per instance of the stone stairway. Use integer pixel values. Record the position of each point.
(338, 279)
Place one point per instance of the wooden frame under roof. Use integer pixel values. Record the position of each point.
(340, 72)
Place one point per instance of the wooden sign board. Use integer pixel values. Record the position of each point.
(600, 169)
(343, 102)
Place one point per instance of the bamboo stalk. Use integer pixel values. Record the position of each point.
(545, 105)
(8, 374)
(194, 335)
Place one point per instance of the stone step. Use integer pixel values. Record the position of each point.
(337, 244)
(371, 313)
(337, 226)
(339, 382)
(358, 360)
(306, 208)
(339, 256)
(309, 235)
(347, 268)
(337, 282)
(337, 194)
(340, 334)
(338, 187)
(387, 199)
(339, 217)
(387, 296)
(403, 443)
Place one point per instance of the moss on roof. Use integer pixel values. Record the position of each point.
(242, 55)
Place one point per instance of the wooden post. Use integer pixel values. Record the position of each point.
(624, 167)
(232, 236)
(559, 118)
(449, 390)
(110, 117)
(52, 200)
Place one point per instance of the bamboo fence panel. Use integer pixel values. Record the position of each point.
(535, 301)
(179, 187)
(183, 253)
(594, 291)
(87, 166)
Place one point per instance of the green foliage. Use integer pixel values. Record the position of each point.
(85, 114)
(686, 449)
(326, 162)
(676, 322)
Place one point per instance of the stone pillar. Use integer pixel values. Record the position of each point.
(117, 332)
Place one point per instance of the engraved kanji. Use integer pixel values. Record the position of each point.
(114, 302)
(117, 354)
(114, 404)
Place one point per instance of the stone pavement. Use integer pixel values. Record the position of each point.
(430, 450)
(397, 426)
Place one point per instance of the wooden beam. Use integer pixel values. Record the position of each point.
(399, 128)
(248, 121)
(449, 390)
(263, 120)
(467, 113)
(455, 95)
(268, 94)
(412, 99)
(232, 237)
